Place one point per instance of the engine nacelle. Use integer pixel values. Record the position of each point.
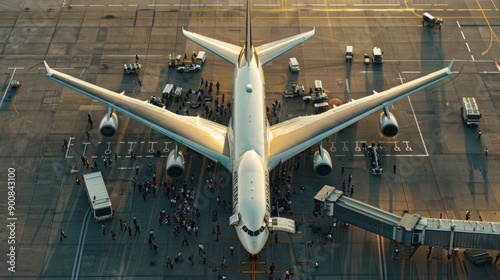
(175, 164)
(109, 126)
(322, 164)
(388, 125)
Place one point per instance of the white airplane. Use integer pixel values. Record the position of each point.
(249, 147)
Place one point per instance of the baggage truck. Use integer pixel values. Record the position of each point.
(470, 111)
(100, 204)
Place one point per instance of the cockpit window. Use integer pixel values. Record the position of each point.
(253, 233)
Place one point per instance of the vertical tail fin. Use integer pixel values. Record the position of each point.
(248, 35)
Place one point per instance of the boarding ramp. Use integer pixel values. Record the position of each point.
(409, 229)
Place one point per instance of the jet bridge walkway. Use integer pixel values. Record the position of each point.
(409, 229)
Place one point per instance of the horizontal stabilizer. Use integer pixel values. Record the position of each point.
(282, 224)
(226, 51)
(270, 51)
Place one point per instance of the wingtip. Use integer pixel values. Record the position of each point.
(47, 68)
(450, 67)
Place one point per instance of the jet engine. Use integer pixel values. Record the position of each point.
(388, 124)
(322, 163)
(175, 164)
(109, 125)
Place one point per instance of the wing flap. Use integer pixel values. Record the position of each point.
(204, 136)
(293, 136)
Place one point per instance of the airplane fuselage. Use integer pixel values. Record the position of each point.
(248, 134)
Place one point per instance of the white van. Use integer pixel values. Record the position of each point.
(349, 53)
(97, 193)
(294, 65)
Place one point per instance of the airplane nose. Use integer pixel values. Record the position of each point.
(253, 248)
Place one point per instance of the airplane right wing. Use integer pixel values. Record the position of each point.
(204, 136)
(293, 136)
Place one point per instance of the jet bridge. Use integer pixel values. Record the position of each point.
(409, 229)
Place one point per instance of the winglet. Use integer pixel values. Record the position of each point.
(47, 69)
(451, 66)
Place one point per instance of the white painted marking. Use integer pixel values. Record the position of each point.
(115, 5)
(347, 85)
(440, 5)
(472, 57)
(132, 5)
(12, 68)
(83, 71)
(410, 72)
(77, 5)
(196, 5)
(422, 4)
(373, 5)
(418, 127)
(81, 244)
(213, 5)
(308, 5)
(60, 68)
(467, 46)
(381, 253)
(235, 5)
(96, 5)
(8, 87)
(458, 24)
(181, 5)
(266, 5)
(337, 5)
(365, 72)
(488, 72)
(463, 36)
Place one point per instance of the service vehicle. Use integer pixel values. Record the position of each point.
(98, 196)
(377, 55)
(295, 91)
(293, 64)
(189, 68)
(374, 155)
(317, 95)
(367, 59)
(321, 107)
(131, 68)
(176, 60)
(470, 111)
(200, 58)
(349, 53)
(429, 20)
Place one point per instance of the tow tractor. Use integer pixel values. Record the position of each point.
(295, 91)
(189, 68)
(367, 59)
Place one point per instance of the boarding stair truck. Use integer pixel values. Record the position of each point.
(100, 204)
(470, 111)
(377, 55)
(429, 20)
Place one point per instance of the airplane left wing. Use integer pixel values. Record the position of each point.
(293, 136)
(206, 137)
